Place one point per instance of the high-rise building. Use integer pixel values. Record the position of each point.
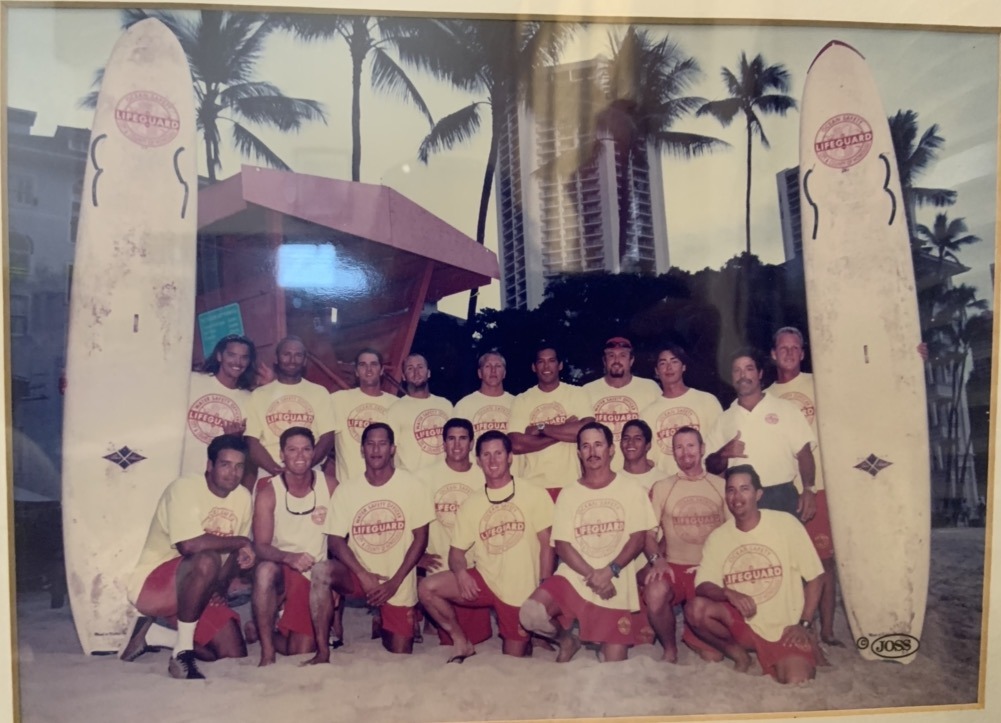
(561, 187)
(789, 215)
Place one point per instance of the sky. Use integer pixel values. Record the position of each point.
(948, 78)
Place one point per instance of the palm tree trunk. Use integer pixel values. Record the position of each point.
(488, 182)
(356, 67)
(747, 197)
(209, 159)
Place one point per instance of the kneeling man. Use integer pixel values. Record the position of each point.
(750, 595)
(377, 531)
(507, 527)
(186, 564)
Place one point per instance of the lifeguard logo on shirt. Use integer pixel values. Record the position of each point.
(221, 521)
(771, 418)
(319, 516)
(378, 526)
(362, 416)
(804, 403)
(209, 413)
(615, 411)
(754, 570)
(447, 501)
(548, 413)
(843, 140)
(502, 527)
(492, 416)
(694, 517)
(290, 410)
(427, 430)
(669, 422)
(599, 526)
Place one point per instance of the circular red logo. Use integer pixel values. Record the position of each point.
(754, 570)
(147, 118)
(378, 526)
(694, 517)
(447, 501)
(599, 526)
(615, 411)
(290, 410)
(772, 418)
(669, 422)
(209, 413)
(502, 527)
(804, 403)
(491, 416)
(364, 415)
(843, 140)
(427, 430)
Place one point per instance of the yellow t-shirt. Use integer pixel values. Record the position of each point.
(666, 416)
(279, 406)
(353, 410)
(598, 524)
(800, 392)
(688, 510)
(210, 404)
(504, 538)
(379, 523)
(188, 509)
(557, 465)
(417, 424)
(614, 407)
(448, 489)
(645, 480)
(485, 412)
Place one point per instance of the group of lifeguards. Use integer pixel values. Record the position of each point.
(575, 514)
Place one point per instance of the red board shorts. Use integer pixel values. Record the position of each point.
(769, 653)
(295, 616)
(396, 619)
(475, 624)
(507, 615)
(682, 590)
(819, 528)
(158, 598)
(597, 624)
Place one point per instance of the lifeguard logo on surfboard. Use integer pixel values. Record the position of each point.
(492, 416)
(209, 413)
(447, 501)
(288, 411)
(754, 570)
(695, 517)
(502, 527)
(378, 526)
(427, 430)
(599, 526)
(362, 416)
(615, 411)
(147, 118)
(670, 422)
(843, 140)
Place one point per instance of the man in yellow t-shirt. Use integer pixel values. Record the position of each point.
(506, 530)
(417, 419)
(377, 531)
(489, 407)
(355, 409)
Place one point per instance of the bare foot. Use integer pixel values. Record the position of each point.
(266, 660)
(710, 656)
(569, 644)
(741, 659)
(670, 654)
(317, 659)
(829, 639)
(543, 643)
(250, 632)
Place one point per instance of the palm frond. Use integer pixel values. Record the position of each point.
(687, 145)
(388, 76)
(451, 130)
(724, 110)
(250, 146)
(279, 111)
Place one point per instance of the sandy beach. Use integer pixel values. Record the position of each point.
(363, 682)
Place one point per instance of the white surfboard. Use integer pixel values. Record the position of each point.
(131, 324)
(864, 330)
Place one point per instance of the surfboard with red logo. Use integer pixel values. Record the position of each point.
(131, 324)
(869, 378)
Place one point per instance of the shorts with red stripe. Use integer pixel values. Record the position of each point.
(295, 616)
(158, 598)
(507, 615)
(396, 619)
(769, 653)
(597, 624)
(819, 528)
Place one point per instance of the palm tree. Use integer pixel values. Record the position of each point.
(364, 36)
(755, 88)
(496, 59)
(222, 50)
(914, 157)
(945, 238)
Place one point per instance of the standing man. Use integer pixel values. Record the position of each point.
(219, 399)
(635, 445)
(768, 433)
(750, 595)
(377, 531)
(450, 481)
(355, 409)
(677, 406)
(544, 423)
(619, 396)
(417, 419)
(289, 401)
(290, 512)
(689, 505)
(197, 542)
(796, 386)
(490, 406)
(599, 527)
(500, 551)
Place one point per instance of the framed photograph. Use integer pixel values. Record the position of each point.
(361, 166)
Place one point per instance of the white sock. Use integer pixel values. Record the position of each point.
(161, 636)
(185, 637)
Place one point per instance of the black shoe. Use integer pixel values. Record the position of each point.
(183, 666)
(136, 644)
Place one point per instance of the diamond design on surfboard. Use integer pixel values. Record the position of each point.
(873, 465)
(124, 457)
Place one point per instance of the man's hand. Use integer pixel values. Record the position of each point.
(734, 449)
(430, 562)
(468, 588)
(744, 603)
(370, 581)
(265, 374)
(796, 636)
(660, 569)
(234, 426)
(381, 594)
(806, 508)
(599, 579)
(245, 557)
(300, 561)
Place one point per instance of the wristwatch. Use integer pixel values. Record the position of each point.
(653, 558)
(615, 568)
(541, 426)
(806, 624)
